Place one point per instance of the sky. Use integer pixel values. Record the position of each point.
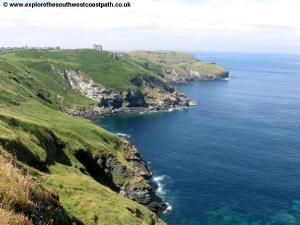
(187, 25)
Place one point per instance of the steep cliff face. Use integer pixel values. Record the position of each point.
(142, 192)
(131, 180)
(106, 97)
(160, 95)
(150, 94)
(188, 75)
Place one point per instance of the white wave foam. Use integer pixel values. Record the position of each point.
(193, 103)
(160, 191)
(169, 208)
(158, 178)
(123, 135)
(160, 186)
(228, 78)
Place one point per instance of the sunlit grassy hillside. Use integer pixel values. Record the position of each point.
(180, 62)
(36, 131)
(45, 140)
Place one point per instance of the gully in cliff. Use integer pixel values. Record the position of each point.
(108, 170)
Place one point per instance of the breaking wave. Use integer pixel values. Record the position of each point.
(160, 191)
(123, 135)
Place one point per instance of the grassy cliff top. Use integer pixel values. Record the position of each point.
(180, 62)
(85, 200)
(45, 139)
(113, 70)
(35, 129)
(109, 69)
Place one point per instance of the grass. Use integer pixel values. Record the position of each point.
(178, 61)
(44, 139)
(84, 197)
(104, 67)
(21, 195)
(12, 218)
(35, 129)
(81, 196)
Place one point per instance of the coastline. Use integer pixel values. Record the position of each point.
(145, 94)
(83, 148)
(147, 195)
(158, 203)
(98, 112)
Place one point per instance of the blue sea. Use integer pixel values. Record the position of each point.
(233, 159)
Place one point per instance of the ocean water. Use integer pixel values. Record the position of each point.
(234, 158)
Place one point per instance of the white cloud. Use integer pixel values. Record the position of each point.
(154, 24)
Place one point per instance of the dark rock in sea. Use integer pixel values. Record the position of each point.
(224, 75)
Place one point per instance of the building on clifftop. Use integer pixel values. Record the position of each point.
(97, 47)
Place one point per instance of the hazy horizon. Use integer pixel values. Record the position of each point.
(176, 50)
(265, 26)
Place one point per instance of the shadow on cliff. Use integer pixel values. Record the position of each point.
(95, 170)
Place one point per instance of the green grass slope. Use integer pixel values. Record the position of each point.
(109, 69)
(34, 127)
(165, 62)
(23, 200)
(35, 130)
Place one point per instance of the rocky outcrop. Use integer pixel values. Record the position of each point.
(191, 75)
(179, 67)
(106, 97)
(151, 94)
(151, 82)
(135, 99)
(161, 95)
(142, 192)
(131, 180)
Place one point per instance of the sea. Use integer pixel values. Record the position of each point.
(234, 159)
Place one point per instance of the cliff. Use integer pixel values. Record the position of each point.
(150, 94)
(179, 67)
(99, 177)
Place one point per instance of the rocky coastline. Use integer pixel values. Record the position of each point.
(156, 95)
(98, 176)
(192, 76)
(132, 179)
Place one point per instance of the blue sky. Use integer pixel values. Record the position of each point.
(208, 25)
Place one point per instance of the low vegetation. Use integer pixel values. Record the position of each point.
(176, 64)
(44, 139)
(24, 200)
(12, 218)
(40, 140)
